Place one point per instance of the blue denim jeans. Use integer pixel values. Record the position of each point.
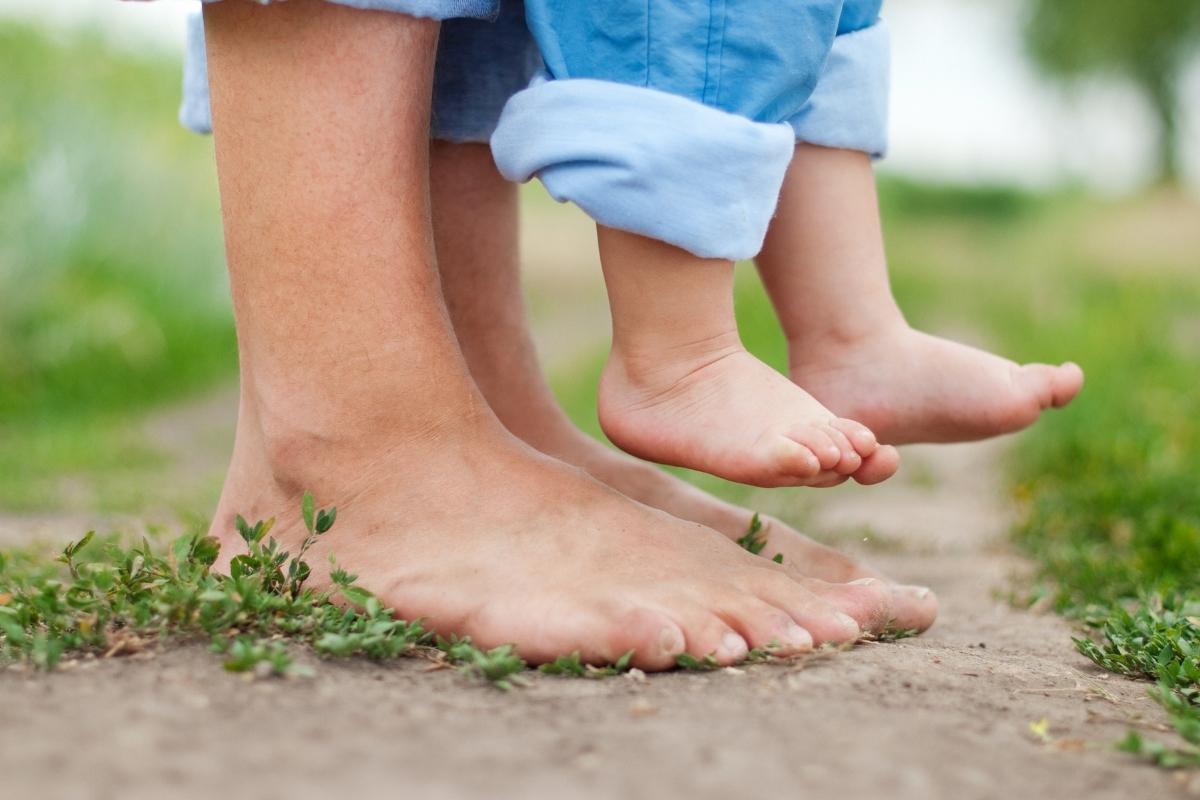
(675, 119)
(485, 56)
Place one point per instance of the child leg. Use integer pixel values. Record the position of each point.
(825, 269)
(680, 388)
(664, 121)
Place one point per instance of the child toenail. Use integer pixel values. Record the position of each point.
(919, 592)
(798, 637)
(864, 582)
(848, 623)
(670, 640)
(733, 646)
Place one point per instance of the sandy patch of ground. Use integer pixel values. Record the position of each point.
(944, 715)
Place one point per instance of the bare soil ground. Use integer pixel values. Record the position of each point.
(947, 714)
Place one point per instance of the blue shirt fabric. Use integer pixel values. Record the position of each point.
(483, 59)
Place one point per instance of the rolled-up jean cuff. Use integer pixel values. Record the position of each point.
(647, 161)
(849, 106)
(194, 110)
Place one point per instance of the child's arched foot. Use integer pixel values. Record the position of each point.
(910, 387)
(726, 413)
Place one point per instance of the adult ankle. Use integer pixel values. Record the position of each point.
(303, 452)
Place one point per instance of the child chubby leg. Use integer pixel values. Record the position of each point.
(849, 345)
(667, 123)
(824, 267)
(679, 388)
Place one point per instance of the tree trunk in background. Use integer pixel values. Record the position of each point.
(1160, 90)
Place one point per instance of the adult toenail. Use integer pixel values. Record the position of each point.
(798, 637)
(733, 646)
(849, 623)
(670, 640)
(864, 582)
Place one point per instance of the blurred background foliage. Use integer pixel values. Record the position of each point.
(112, 295)
(1150, 43)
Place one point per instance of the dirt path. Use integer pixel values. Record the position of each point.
(944, 715)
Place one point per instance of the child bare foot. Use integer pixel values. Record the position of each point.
(824, 266)
(912, 387)
(680, 389)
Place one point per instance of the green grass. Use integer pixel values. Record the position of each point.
(1113, 497)
(112, 290)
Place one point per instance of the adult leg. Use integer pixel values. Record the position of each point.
(475, 222)
(353, 387)
(825, 269)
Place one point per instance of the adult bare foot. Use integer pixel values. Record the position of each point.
(911, 607)
(679, 388)
(475, 221)
(478, 535)
(825, 269)
(352, 386)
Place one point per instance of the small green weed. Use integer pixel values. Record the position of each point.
(895, 634)
(572, 666)
(1159, 753)
(691, 663)
(754, 541)
(497, 665)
